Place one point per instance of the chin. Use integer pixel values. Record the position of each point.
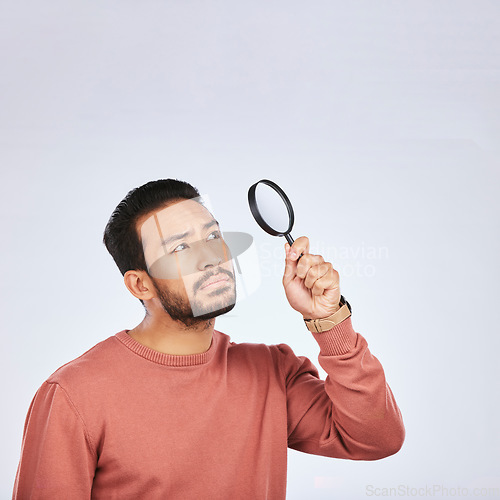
(218, 312)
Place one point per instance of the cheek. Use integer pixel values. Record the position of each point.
(176, 286)
(187, 283)
(228, 265)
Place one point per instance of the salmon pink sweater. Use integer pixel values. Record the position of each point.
(123, 421)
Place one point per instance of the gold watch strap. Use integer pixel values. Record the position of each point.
(324, 324)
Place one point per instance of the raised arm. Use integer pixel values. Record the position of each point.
(353, 413)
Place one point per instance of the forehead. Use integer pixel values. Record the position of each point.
(177, 216)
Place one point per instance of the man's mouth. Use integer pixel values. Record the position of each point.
(215, 281)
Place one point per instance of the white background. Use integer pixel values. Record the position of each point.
(379, 119)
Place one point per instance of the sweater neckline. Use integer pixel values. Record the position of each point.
(168, 359)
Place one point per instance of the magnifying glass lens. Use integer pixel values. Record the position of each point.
(271, 207)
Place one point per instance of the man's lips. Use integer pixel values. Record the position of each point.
(215, 279)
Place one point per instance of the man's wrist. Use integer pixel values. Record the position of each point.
(323, 317)
(341, 302)
(319, 325)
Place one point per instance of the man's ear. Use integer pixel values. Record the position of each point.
(139, 284)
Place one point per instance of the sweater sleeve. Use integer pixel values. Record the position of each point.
(353, 413)
(57, 458)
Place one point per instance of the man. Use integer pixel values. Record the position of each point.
(174, 409)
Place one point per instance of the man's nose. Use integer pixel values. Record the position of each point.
(210, 255)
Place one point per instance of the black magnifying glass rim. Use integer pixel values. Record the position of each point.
(255, 211)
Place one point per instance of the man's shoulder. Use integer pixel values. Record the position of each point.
(94, 361)
(279, 355)
(257, 352)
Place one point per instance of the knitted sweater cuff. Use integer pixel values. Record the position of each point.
(338, 340)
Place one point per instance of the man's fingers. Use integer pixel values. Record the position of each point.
(315, 273)
(306, 262)
(327, 281)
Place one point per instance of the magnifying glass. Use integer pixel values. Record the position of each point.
(272, 209)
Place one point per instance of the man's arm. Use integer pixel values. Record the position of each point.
(353, 413)
(57, 457)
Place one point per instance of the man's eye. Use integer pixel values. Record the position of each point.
(216, 233)
(175, 249)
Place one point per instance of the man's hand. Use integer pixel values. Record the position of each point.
(311, 284)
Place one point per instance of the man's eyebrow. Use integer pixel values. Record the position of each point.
(176, 237)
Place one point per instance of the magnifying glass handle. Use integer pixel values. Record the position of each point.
(290, 242)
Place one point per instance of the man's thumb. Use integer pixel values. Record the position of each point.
(290, 266)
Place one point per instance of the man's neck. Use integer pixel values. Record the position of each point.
(173, 337)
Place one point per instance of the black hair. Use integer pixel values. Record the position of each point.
(120, 235)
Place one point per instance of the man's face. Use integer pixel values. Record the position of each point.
(184, 250)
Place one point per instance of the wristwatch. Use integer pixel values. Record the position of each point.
(324, 324)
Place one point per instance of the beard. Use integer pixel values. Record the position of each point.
(181, 309)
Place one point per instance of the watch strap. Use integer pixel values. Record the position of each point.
(324, 324)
